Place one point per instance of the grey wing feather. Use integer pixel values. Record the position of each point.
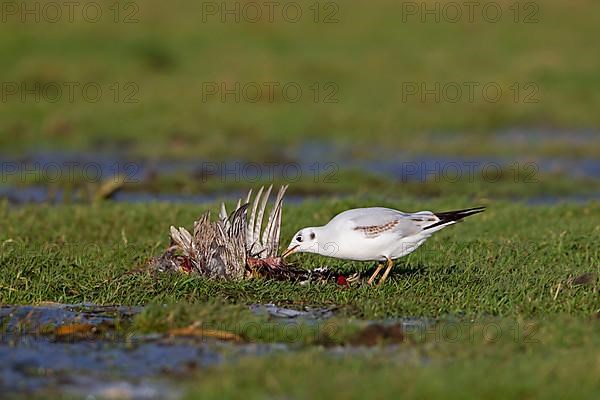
(248, 197)
(270, 238)
(268, 232)
(261, 212)
(182, 238)
(376, 222)
(237, 226)
(223, 215)
(277, 230)
(250, 237)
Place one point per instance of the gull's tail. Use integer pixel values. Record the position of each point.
(452, 217)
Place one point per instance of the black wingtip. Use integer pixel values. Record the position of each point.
(455, 216)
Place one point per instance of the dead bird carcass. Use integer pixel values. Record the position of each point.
(236, 246)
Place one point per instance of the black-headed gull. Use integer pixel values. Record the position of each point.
(374, 234)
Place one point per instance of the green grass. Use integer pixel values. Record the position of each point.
(510, 319)
(456, 358)
(562, 363)
(369, 54)
(508, 261)
(508, 271)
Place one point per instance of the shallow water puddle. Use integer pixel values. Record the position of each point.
(60, 349)
(304, 162)
(307, 314)
(73, 349)
(38, 195)
(29, 319)
(78, 349)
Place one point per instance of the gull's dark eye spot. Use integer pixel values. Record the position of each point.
(299, 238)
(312, 235)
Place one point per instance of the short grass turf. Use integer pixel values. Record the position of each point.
(511, 260)
(561, 364)
(511, 320)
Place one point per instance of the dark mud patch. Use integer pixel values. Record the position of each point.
(378, 334)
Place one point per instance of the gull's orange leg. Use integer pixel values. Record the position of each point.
(372, 278)
(390, 264)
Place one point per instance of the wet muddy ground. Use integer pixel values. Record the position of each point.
(97, 168)
(39, 194)
(78, 350)
(75, 349)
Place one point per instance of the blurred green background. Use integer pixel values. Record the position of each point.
(355, 62)
(359, 90)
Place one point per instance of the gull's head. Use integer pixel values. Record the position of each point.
(304, 241)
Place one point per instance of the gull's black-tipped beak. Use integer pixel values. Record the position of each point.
(290, 250)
